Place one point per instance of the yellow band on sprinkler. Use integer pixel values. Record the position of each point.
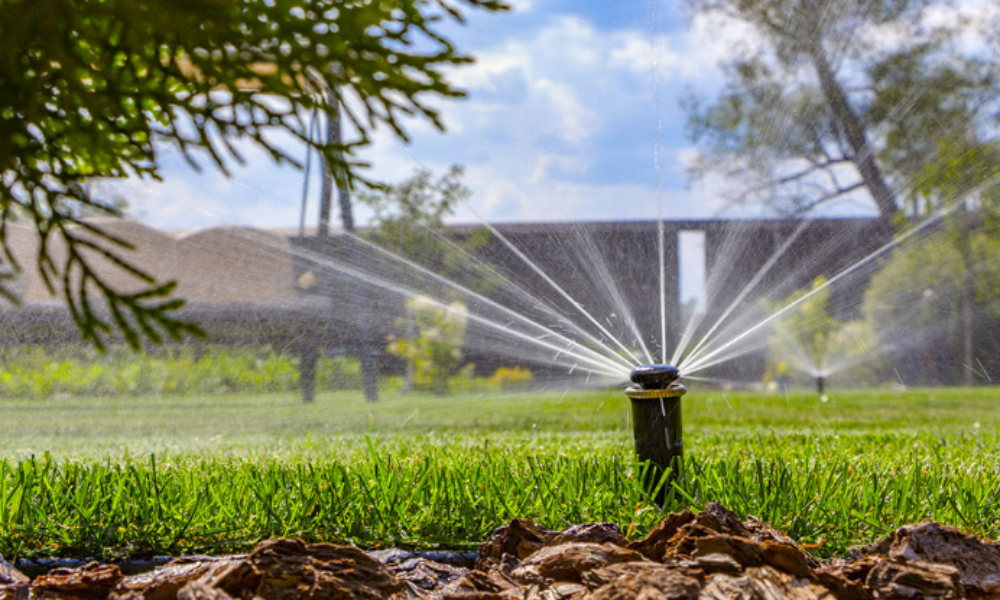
(675, 390)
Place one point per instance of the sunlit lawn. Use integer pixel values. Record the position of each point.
(216, 473)
(280, 423)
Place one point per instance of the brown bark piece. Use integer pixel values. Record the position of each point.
(641, 581)
(764, 583)
(677, 536)
(92, 581)
(493, 581)
(13, 583)
(164, 582)
(198, 590)
(655, 545)
(762, 532)
(237, 578)
(788, 558)
(895, 578)
(520, 539)
(472, 596)
(720, 519)
(595, 533)
(291, 569)
(475, 582)
(846, 580)
(710, 564)
(598, 578)
(535, 591)
(568, 562)
(741, 550)
(977, 561)
(748, 553)
(14, 591)
(426, 576)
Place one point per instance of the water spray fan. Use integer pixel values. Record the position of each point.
(656, 421)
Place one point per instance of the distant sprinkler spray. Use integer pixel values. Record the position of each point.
(656, 421)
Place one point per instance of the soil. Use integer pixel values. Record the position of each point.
(708, 555)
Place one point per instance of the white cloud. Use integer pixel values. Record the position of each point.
(577, 122)
(690, 56)
(483, 73)
(687, 157)
(632, 54)
(560, 124)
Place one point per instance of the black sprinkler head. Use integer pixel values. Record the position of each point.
(656, 423)
(654, 377)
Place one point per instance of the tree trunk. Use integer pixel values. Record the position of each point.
(366, 353)
(308, 357)
(968, 352)
(326, 193)
(862, 155)
(968, 319)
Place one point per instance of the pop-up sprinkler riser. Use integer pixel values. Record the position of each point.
(656, 420)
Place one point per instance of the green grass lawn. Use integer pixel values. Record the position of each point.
(171, 474)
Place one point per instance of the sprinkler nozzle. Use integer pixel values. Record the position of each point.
(654, 377)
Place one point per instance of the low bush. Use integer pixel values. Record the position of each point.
(33, 371)
(511, 379)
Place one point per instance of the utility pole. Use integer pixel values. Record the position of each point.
(360, 328)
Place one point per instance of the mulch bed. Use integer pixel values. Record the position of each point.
(709, 555)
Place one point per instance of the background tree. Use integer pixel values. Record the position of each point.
(801, 336)
(839, 97)
(807, 338)
(409, 218)
(965, 176)
(93, 88)
(432, 345)
(817, 106)
(409, 222)
(912, 306)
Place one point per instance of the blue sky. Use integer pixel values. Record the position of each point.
(570, 101)
(573, 114)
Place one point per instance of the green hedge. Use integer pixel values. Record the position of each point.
(32, 371)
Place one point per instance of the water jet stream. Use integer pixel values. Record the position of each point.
(603, 364)
(749, 287)
(538, 271)
(663, 290)
(693, 364)
(600, 267)
(507, 283)
(546, 330)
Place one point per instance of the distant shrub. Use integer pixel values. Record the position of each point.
(432, 345)
(31, 371)
(467, 381)
(509, 379)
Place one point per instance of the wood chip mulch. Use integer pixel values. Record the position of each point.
(707, 555)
